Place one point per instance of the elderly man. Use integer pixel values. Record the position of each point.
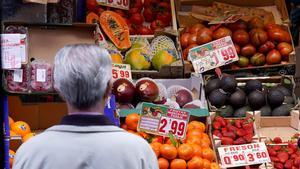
(85, 139)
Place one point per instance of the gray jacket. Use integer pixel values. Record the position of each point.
(85, 147)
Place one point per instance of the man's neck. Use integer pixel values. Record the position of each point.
(97, 109)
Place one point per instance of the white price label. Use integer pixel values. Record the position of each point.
(11, 51)
(18, 75)
(41, 75)
(161, 120)
(213, 54)
(121, 4)
(243, 155)
(121, 71)
(23, 49)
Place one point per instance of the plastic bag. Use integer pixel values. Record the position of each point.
(41, 76)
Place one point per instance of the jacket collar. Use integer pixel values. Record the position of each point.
(85, 120)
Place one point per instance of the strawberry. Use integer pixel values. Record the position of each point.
(289, 150)
(278, 166)
(239, 141)
(224, 129)
(220, 120)
(292, 146)
(271, 151)
(274, 159)
(229, 134)
(238, 123)
(231, 128)
(277, 147)
(217, 133)
(293, 156)
(248, 138)
(288, 164)
(226, 141)
(241, 132)
(297, 161)
(277, 140)
(248, 127)
(283, 156)
(216, 125)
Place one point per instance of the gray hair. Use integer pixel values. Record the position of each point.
(82, 73)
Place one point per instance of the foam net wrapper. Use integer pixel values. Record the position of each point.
(145, 45)
(163, 43)
(172, 90)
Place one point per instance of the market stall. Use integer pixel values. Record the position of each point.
(207, 84)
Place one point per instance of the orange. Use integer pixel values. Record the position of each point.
(168, 151)
(195, 163)
(197, 150)
(214, 166)
(11, 121)
(193, 140)
(20, 128)
(28, 136)
(206, 164)
(195, 133)
(11, 157)
(163, 163)
(205, 142)
(185, 151)
(196, 125)
(156, 148)
(132, 120)
(12, 133)
(208, 154)
(178, 164)
(124, 126)
(144, 135)
(116, 58)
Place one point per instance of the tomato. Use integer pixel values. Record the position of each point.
(157, 24)
(132, 29)
(248, 50)
(134, 10)
(272, 26)
(137, 19)
(256, 22)
(148, 3)
(143, 30)
(120, 12)
(237, 48)
(240, 24)
(149, 14)
(273, 57)
(186, 51)
(279, 35)
(164, 6)
(91, 4)
(195, 28)
(221, 32)
(137, 4)
(258, 36)
(184, 39)
(192, 39)
(241, 37)
(165, 17)
(204, 35)
(284, 49)
(266, 47)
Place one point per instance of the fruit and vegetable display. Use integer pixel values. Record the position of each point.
(233, 99)
(284, 155)
(143, 17)
(193, 153)
(233, 131)
(256, 44)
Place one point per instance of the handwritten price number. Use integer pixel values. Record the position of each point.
(119, 2)
(250, 157)
(228, 53)
(258, 155)
(240, 157)
(121, 74)
(177, 128)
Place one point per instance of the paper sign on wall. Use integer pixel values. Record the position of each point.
(213, 54)
(11, 51)
(243, 155)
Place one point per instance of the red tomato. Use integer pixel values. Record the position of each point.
(195, 28)
(184, 39)
(143, 30)
(221, 32)
(279, 35)
(91, 4)
(237, 48)
(157, 24)
(165, 17)
(148, 3)
(273, 57)
(272, 26)
(240, 37)
(258, 36)
(204, 35)
(134, 10)
(240, 24)
(137, 19)
(284, 49)
(266, 47)
(149, 14)
(120, 12)
(137, 4)
(164, 6)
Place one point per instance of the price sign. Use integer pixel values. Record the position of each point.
(121, 4)
(228, 17)
(161, 120)
(242, 155)
(11, 51)
(213, 54)
(121, 71)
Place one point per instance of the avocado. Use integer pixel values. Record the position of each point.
(266, 111)
(288, 100)
(252, 85)
(228, 83)
(212, 85)
(284, 90)
(256, 100)
(241, 112)
(283, 110)
(238, 99)
(226, 111)
(275, 98)
(217, 98)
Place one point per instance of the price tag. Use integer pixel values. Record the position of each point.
(121, 71)
(161, 120)
(100, 40)
(41, 75)
(23, 49)
(18, 75)
(213, 54)
(121, 4)
(243, 155)
(10, 51)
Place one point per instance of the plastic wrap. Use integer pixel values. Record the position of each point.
(17, 80)
(41, 77)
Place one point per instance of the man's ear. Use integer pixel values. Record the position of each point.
(108, 89)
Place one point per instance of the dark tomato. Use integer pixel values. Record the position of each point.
(164, 6)
(204, 35)
(237, 48)
(186, 51)
(148, 3)
(184, 39)
(256, 22)
(258, 36)
(273, 57)
(279, 35)
(193, 39)
(137, 19)
(134, 10)
(221, 32)
(240, 24)
(157, 25)
(248, 50)
(284, 49)
(143, 30)
(91, 5)
(266, 47)
(166, 17)
(197, 27)
(149, 14)
(241, 37)
(272, 26)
